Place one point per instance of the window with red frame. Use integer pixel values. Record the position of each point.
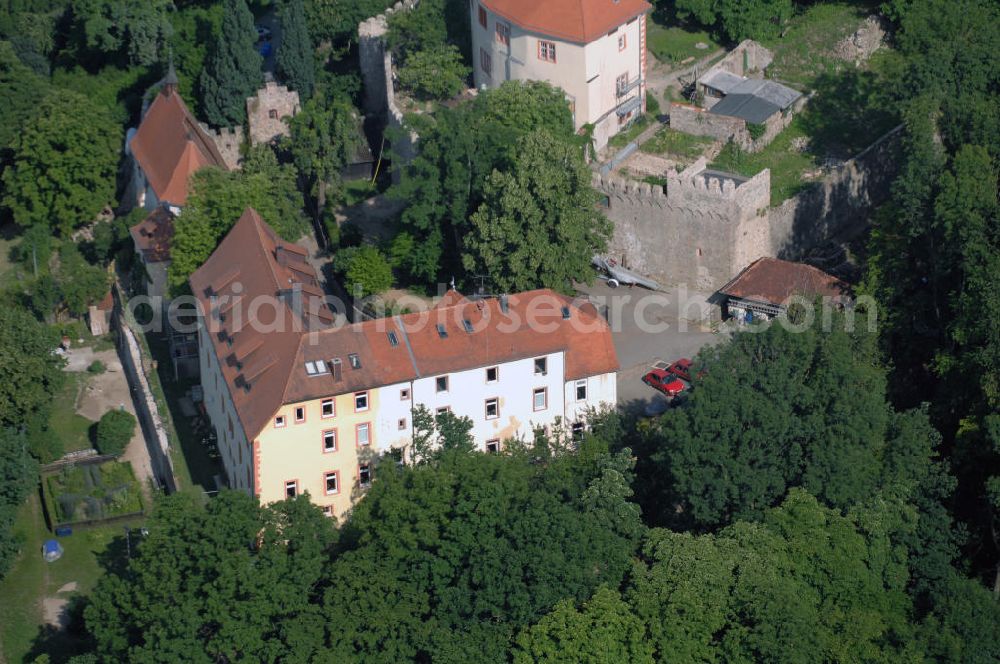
(330, 440)
(547, 51)
(332, 482)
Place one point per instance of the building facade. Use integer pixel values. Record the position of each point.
(595, 50)
(301, 404)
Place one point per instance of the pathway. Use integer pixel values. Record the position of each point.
(107, 391)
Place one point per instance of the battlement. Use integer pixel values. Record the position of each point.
(622, 187)
(228, 140)
(696, 188)
(268, 110)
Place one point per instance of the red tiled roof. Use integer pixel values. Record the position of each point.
(773, 280)
(580, 21)
(153, 234)
(250, 264)
(265, 369)
(170, 146)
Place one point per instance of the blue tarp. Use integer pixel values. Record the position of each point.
(52, 550)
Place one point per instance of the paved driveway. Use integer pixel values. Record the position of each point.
(646, 327)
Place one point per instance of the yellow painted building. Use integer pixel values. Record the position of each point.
(324, 447)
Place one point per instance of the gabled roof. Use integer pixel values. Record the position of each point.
(170, 146)
(254, 271)
(721, 80)
(580, 21)
(534, 324)
(773, 281)
(756, 100)
(153, 234)
(264, 362)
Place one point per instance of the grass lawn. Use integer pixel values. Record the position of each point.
(72, 429)
(680, 147)
(787, 165)
(630, 134)
(87, 553)
(672, 45)
(357, 191)
(806, 50)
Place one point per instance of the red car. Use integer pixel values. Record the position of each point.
(665, 381)
(681, 368)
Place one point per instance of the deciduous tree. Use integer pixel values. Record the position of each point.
(30, 372)
(538, 224)
(603, 630)
(64, 164)
(114, 431)
(218, 199)
(135, 32)
(324, 137)
(18, 476)
(230, 581)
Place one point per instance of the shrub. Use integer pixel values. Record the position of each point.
(114, 430)
(97, 367)
(756, 130)
(652, 105)
(436, 73)
(365, 268)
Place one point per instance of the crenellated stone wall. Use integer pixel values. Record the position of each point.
(268, 111)
(704, 227)
(228, 140)
(686, 232)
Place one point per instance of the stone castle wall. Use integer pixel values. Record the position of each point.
(701, 230)
(685, 232)
(268, 110)
(375, 60)
(228, 140)
(839, 204)
(699, 122)
(748, 59)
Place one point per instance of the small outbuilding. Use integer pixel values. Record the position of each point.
(764, 289)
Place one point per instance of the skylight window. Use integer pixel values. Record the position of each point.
(354, 360)
(443, 333)
(565, 312)
(467, 324)
(317, 368)
(393, 339)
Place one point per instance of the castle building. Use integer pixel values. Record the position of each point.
(168, 147)
(300, 404)
(595, 50)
